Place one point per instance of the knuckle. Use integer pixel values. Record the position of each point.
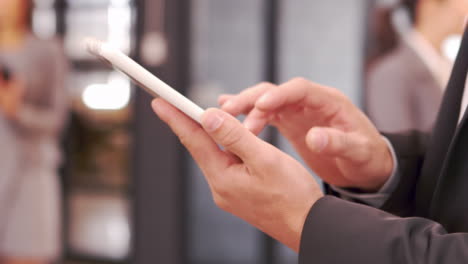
(345, 144)
(343, 140)
(336, 93)
(299, 81)
(219, 187)
(222, 191)
(265, 85)
(188, 135)
(337, 144)
(221, 196)
(219, 201)
(184, 140)
(231, 137)
(258, 90)
(365, 145)
(357, 149)
(268, 160)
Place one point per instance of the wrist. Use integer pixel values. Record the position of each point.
(296, 224)
(389, 162)
(382, 167)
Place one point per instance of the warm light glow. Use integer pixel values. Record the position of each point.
(43, 22)
(114, 95)
(451, 46)
(120, 2)
(119, 21)
(117, 234)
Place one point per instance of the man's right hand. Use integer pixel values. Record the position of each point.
(331, 134)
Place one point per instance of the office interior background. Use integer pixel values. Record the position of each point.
(131, 194)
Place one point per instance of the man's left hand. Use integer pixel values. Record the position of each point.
(249, 178)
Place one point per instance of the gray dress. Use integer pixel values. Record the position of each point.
(401, 93)
(29, 157)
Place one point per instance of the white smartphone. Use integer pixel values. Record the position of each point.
(143, 77)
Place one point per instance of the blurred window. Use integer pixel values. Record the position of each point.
(227, 56)
(98, 174)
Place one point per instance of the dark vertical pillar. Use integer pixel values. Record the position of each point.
(271, 28)
(368, 47)
(272, 19)
(60, 11)
(158, 179)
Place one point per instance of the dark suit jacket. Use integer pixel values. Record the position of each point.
(426, 218)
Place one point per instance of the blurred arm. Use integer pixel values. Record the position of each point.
(389, 101)
(48, 119)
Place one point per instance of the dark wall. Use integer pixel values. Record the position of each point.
(158, 183)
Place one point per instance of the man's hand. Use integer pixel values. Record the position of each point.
(250, 178)
(331, 134)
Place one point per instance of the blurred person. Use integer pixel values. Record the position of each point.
(9, 99)
(407, 76)
(33, 107)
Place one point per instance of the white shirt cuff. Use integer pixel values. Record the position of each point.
(378, 198)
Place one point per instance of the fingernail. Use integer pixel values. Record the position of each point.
(248, 125)
(212, 122)
(318, 140)
(228, 104)
(155, 106)
(263, 99)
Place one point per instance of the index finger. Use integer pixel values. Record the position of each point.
(244, 102)
(294, 92)
(206, 153)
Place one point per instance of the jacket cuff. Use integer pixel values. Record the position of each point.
(334, 232)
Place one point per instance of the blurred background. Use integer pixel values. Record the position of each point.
(129, 193)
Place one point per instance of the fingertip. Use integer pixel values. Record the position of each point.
(263, 100)
(317, 139)
(164, 110)
(249, 125)
(211, 111)
(154, 103)
(266, 102)
(157, 105)
(222, 99)
(253, 126)
(228, 106)
(212, 119)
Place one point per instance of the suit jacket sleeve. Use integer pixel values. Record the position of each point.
(338, 231)
(409, 148)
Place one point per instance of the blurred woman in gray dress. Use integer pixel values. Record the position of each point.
(406, 81)
(33, 107)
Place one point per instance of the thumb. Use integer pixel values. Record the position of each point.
(228, 132)
(336, 143)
